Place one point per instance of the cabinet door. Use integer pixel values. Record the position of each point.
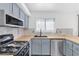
(68, 48)
(69, 44)
(75, 53)
(75, 49)
(35, 46)
(53, 53)
(60, 46)
(16, 10)
(26, 22)
(22, 15)
(10, 8)
(64, 47)
(68, 52)
(4, 6)
(45, 46)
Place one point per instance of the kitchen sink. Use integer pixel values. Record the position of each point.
(40, 36)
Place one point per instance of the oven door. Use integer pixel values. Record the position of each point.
(23, 51)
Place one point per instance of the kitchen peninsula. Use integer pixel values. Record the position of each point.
(68, 45)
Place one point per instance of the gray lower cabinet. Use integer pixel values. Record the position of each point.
(67, 48)
(35, 46)
(53, 53)
(60, 47)
(45, 47)
(40, 46)
(75, 49)
(64, 47)
(70, 48)
(68, 52)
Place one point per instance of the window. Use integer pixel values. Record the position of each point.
(49, 25)
(45, 25)
(40, 25)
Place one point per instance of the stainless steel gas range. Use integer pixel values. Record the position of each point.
(10, 47)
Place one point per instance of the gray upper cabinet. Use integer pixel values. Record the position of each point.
(22, 15)
(4, 6)
(10, 8)
(78, 24)
(13, 10)
(26, 22)
(45, 47)
(16, 10)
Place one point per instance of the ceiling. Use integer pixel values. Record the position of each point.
(41, 6)
(54, 7)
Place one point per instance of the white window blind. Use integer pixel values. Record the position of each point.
(40, 25)
(45, 25)
(49, 26)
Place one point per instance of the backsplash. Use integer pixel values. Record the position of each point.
(64, 31)
(9, 30)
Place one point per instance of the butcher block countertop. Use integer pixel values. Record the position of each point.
(24, 38)
(53, 37)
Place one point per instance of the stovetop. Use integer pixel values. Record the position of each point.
(11, 48)
(8, 45)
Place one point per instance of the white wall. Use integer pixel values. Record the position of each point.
(67, 20)
(62, 19)
(36, 15)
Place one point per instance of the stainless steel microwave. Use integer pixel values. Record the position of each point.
(13, 21)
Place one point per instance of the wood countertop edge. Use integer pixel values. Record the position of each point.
(74, 39)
